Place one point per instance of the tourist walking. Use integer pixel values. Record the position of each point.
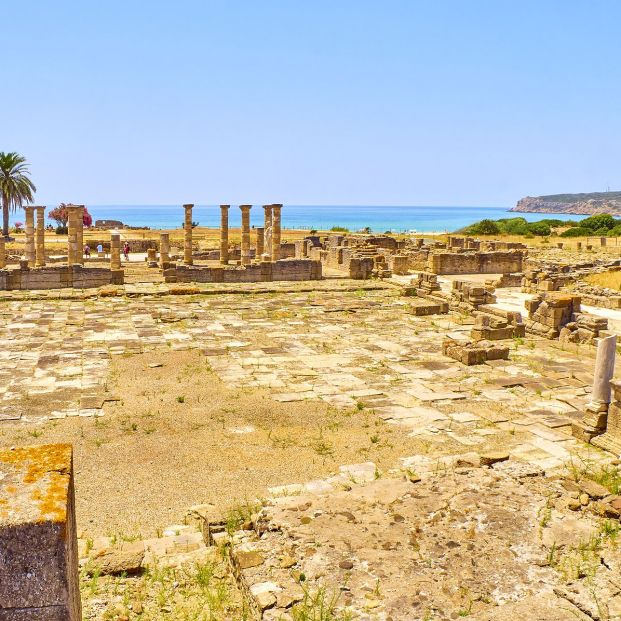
(87, 251)
(126, 251)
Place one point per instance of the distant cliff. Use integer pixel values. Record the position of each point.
(582, 204)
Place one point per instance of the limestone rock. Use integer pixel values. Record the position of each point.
(247, 559)
(127, 559)
(493, 457)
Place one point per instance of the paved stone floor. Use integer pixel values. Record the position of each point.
(342, 344)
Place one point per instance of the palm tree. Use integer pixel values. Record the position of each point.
(16, 188)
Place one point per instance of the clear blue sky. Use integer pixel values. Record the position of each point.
(434, 102)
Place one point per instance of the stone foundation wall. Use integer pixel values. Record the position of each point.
(267, 271)
(475, 262)
(59, 277)
(38, 543)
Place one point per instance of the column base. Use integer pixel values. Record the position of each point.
(584, 432)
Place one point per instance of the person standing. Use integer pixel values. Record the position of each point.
(126, 251)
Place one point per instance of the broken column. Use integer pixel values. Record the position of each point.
(30, 236)
(40, 245)
(604, 370)
(224, 234)
(596, 412)
(187, 237)
(276, 232)
(267, 235)
(260, 242)
(39, 568)
(115, 251)
(151, 257)
(164, 250)
(2, 253)
(245, 234)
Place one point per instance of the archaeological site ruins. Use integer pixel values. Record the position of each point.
(256, 422)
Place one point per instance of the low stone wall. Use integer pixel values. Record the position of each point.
(38, 543)
(59, 277)
(475, 262)
(470, 353)
(266, 271)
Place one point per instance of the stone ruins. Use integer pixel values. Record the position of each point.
(399, 428)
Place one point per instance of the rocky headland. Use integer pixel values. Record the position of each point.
(583, 204)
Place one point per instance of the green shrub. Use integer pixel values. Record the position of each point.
(599, 222)
(484, 227)
(539, 228)
(576, 231)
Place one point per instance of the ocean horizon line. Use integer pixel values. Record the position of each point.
(376, 218)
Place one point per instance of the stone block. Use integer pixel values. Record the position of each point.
(38, 543)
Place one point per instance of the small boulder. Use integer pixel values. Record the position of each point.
(127, 559)
(247, 559)
(493, 457)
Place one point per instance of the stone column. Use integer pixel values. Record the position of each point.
(276, 232)
(260, 242)
(79, 223)
(164, 249)
(29, 251)
(40, 247)
(595, 417)
(604, 370)
(268, 231)
(2, 253)
(71, 235)
(224, 234)
(245, 234)
(187, 240)
(115, 251)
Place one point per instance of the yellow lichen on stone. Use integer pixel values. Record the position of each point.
(41, 481)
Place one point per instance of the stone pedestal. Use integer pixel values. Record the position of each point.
(187, 235)
(260, 242)
(38, 543)
(268, 230)
(29, 252)
(224, 234)
(2, 253)
(611, 440)
(164, 250)
(245, 234)
(151, 257)
(115, 251)
(276, 232)
(40, 241)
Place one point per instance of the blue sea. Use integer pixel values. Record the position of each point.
(378, 218)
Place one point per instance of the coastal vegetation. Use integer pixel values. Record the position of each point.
(601, 225)
(513, 226)
(16, 188)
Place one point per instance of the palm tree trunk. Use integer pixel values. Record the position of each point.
(5, 215)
